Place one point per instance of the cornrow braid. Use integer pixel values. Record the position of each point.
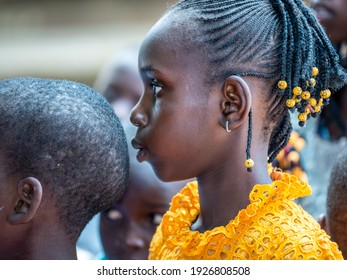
(249, 163)
(281, 131)
(278, 40)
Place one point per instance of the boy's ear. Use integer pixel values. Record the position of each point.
(236, 104)
(27, 201)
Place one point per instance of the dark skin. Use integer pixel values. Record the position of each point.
(332, 15)
(181, 123)
(30, 226)
(127, 228)
(334, 223)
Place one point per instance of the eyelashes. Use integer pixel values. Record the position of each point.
(156, 87)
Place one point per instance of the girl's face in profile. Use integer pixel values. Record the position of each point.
(177, 115)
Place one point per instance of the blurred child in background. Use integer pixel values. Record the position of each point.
(335, 219)
(120, 83)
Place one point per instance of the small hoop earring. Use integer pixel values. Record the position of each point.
(227, 126)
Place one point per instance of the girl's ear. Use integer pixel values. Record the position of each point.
(27, 201)
(237, 100)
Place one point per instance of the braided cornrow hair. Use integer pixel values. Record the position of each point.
(279, 40)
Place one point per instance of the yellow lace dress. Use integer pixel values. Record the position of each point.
(271, 227)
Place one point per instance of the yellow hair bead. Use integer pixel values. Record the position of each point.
(311, 83)
(325, 94)
(306, 95)
(328, 93)
(290, 103)
(312, 102)
(307, 111)
(302, 117)
(282, 84)
(297, 90)
(320, 102)
(249, 163)
(317, 109)
(315, 71)
(297, 100)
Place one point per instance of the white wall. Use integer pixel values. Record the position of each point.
(70, 39)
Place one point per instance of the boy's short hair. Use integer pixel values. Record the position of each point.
(68, 137)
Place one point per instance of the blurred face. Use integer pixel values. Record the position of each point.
(332, 14)
(177, 114)
(123, 91)
(127, 228)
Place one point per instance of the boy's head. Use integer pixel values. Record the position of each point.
(335, 219)
(127, 228)
(63, 153)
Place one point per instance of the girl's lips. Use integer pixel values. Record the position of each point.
(142, 152)
(141, 155)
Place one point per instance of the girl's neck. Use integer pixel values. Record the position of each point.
(224, 191)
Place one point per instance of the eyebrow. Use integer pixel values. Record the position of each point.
(148, 68)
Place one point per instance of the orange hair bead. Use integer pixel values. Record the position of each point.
(276, 174)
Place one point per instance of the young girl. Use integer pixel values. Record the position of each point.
(220, 78)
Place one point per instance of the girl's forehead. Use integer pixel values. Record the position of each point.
(170, 44)
(171, 32)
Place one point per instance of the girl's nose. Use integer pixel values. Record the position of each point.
(138, 116)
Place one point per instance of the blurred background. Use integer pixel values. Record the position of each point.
(70, 39)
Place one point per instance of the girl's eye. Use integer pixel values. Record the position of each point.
(156, 218)
(114, 215)
(156, 88)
